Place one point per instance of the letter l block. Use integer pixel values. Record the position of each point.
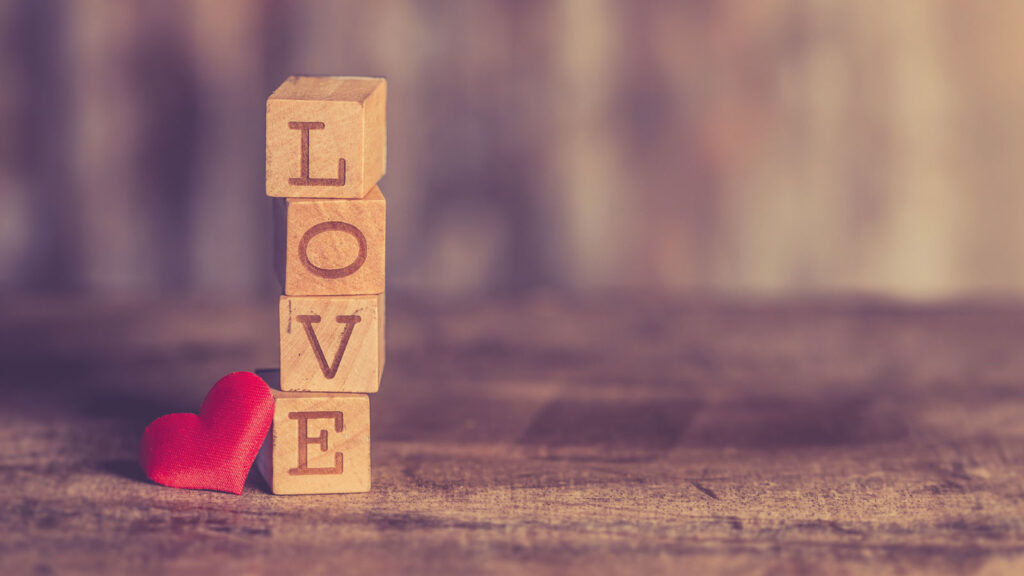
(326, 137)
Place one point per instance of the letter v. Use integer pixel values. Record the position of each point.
(314, 342)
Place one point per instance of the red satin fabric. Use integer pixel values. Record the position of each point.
(216, 449)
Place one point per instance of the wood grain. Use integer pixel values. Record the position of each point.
(334, 247)
(332, 343)
(326, 137)
(620, 434)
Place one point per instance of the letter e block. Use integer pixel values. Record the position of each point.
(332, 343)
(318, 444)
(333, 247)
(326, 137)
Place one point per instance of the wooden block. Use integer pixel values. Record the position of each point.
(332, 343)
(319, 442)
(326, 137)
(333, 247)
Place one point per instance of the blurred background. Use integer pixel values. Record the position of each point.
(779, 147)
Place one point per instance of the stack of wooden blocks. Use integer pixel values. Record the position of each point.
(326, 151)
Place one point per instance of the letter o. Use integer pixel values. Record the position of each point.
(333, 273)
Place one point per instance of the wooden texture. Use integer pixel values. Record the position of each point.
(332, 343)
(332, 247)
(319, 443)
(577, 144)
(552, 435)
(326, 137)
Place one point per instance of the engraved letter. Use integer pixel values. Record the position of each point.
(305, 440)
(333, 273)
(304, 179)
(314, 342)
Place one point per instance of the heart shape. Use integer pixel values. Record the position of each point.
(214, 450)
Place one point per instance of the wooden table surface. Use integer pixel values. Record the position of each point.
(541, 436)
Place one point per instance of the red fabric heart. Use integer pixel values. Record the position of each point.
(214, 450)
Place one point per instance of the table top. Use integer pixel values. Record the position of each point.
(542, 435)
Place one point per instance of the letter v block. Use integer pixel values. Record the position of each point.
(326, 137)
(332, 247)
(332, 343)
(319, 443)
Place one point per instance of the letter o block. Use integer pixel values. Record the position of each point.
(326, 137)
(333, 247)
(318, 443)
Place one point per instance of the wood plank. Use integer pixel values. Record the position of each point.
(630, 434)
(326, 137)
